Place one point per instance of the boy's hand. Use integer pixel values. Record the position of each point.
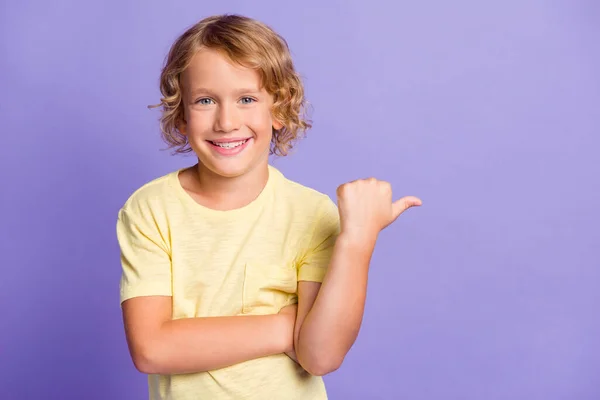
(289, 314)
(366, 207)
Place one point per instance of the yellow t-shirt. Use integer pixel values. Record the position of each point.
(223, 263)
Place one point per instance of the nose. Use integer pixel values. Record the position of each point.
(227, 119)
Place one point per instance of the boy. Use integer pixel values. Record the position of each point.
(237, 282)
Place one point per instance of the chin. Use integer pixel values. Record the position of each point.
(231, 168)
(230, 172)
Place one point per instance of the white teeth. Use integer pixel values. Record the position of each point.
(230, 145)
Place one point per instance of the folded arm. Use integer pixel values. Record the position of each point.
(160, 345)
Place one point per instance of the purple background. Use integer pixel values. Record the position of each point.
(490, 112)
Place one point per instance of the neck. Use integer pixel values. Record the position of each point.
(228, 193)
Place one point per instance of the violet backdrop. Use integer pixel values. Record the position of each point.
(488, 111)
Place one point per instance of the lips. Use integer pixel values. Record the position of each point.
(229, 147)
(229, 144)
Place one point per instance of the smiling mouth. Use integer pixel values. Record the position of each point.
(229, 145)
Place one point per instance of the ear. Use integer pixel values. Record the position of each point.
(182, 126)
(277, 125)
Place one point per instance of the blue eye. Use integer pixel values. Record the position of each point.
(204, 101)
(247, 100)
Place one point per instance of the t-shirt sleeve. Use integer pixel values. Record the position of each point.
(145, 258)
(320, 249)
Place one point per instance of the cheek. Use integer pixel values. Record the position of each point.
(260, 121)
(199, 119)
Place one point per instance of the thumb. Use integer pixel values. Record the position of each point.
(403, 204)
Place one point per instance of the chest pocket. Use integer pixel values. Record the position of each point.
(268, 288)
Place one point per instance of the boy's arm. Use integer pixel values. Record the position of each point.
(160, 345)
(330, 314)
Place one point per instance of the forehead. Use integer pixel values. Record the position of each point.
(210, 69)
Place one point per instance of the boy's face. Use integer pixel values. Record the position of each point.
(228, 119)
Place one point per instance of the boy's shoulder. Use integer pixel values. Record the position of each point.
(152, 193)
(301, 194)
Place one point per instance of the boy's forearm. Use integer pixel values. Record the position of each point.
(202, 344)
(332, 325)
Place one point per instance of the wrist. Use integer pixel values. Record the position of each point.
(358, 240)
(285, 332)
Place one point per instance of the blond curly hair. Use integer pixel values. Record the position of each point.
(249, 43)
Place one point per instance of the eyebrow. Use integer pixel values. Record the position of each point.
(199, 91)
